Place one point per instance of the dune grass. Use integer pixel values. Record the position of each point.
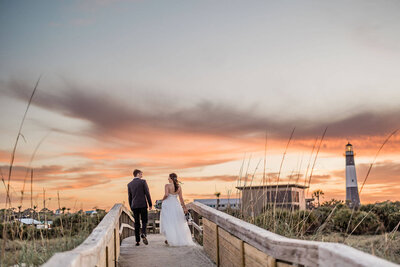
(37, 252)
(384, 245)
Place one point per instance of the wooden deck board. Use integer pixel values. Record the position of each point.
(159, 254)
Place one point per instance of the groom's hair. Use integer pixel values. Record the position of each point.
(136, 172)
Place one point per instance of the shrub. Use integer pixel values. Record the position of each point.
(366, 223)
(393, 221)
(370, 223)
(384, 210)
(333, 203)
(340, 220)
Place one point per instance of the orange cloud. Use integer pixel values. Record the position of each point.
(382, 173)
(161, 138)
(224, 178)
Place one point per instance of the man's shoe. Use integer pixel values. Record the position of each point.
(166, 242)
(137, 244)
(144, 240)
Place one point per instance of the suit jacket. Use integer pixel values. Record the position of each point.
(138, 193)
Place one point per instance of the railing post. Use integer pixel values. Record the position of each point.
(191, 227)
(242, 253)
(106, 256)
(217, 241)
(196, 232)
(115, 247)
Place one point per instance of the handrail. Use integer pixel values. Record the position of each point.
(102, 246)
(292, 251)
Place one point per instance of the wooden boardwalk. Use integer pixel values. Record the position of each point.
(226, 240)
(157, 253)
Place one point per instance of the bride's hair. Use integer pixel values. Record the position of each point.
(174, 179)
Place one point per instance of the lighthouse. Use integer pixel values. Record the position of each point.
(352, 197)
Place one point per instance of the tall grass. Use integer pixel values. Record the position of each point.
(22, 244)
(316, 156)
(280, 167)
(36, 246)
(8, 198)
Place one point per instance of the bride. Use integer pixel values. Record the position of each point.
(173, 224)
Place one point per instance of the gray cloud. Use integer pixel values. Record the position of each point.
(107, 115)
(225, 178)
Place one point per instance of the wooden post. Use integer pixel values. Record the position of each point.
(191, 226)
(106, 256)
(242, 253)
(115, 247)
(195, 231)
(217, 241)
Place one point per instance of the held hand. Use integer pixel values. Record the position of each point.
(185, 210)
(151, 207)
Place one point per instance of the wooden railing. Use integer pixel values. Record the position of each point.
(229, 241)
(102, 246)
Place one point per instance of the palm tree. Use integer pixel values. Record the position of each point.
(217, 194)
(34, 211)
(317, 193)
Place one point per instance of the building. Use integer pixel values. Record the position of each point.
(256, 199)
(310, 203)
(29, 221)
(352, 197)
(28, 213)
(37, 224)
(224, 203)
(91, 212)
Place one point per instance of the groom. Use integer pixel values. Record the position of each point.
(138, 193)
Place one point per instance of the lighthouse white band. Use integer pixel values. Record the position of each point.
(351, 178)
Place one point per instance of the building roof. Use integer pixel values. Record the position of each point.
(272, 186)
(29, 221)
(222, 201)
(91, 212)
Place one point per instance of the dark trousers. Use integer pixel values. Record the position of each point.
(140, 214)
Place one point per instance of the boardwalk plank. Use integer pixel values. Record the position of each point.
(159, 254)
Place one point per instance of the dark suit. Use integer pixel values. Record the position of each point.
(138, 193)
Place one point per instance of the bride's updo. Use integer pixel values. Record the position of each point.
(174, 179)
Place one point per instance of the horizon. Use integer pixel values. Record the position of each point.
(193, 88)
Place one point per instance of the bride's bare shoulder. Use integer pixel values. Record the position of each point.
(168, 186)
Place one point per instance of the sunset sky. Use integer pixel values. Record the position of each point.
(192, 87)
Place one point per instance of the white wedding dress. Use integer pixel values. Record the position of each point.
(173, 223)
